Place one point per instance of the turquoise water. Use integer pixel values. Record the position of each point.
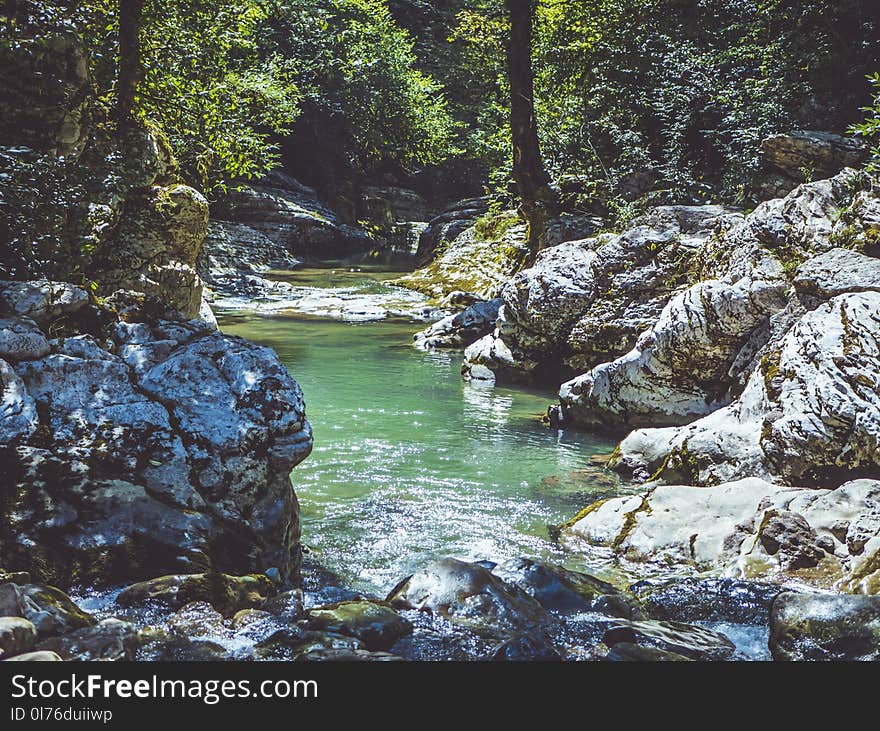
(411, 463)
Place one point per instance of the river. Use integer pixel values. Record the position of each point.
(410, 462)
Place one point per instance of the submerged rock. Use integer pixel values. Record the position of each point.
(145, 444)
(529, 647)
(376, 625)
(631, 652)
(699, 600)
(227, 594)
(111, 639)
(825, 627)
(691, 641)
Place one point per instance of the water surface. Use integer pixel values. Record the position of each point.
(411, 463)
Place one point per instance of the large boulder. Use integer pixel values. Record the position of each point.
(805, 155)
(810, 409)
(583, 302)
(155, 247)
(749, 527)
(146, 444)
(700, 351)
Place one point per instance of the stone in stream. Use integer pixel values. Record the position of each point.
(825, 627)
(696, 643)
(375, 624)
(563, 591)
(160, 644)
(110, 639)
(460, 329)
(17, 635)
(716, 600)
(50, 610)
(470, 595)
(38, 656)
(749, 527)
(527, 647)
(227, 594)
(630, 652)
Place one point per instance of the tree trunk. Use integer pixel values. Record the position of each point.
(539, 201)
(129, 59)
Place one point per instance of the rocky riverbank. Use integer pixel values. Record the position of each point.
(521, 610)
(737, 353)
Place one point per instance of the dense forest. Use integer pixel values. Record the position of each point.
(636, 103)
(639, 241)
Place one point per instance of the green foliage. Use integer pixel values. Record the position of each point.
(362, 94)
(205, 83)
(870, 127)
(674, 96)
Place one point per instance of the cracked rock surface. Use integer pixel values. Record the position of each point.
(143, 443)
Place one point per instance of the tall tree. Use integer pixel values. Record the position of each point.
(538, 199)
(130, 12)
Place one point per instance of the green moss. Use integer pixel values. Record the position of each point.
(491, 227)
(629, 523)
(583, 513)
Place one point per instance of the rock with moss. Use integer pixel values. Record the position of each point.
(17, 635)
(478, 260)
(155, 247)
(375, 624)
(48, 608)
(810, 410)
(692, 360)
(228, 594)
(825, 627)
(583, 302)
(447, 225)
(145, 444)
(749, 528)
